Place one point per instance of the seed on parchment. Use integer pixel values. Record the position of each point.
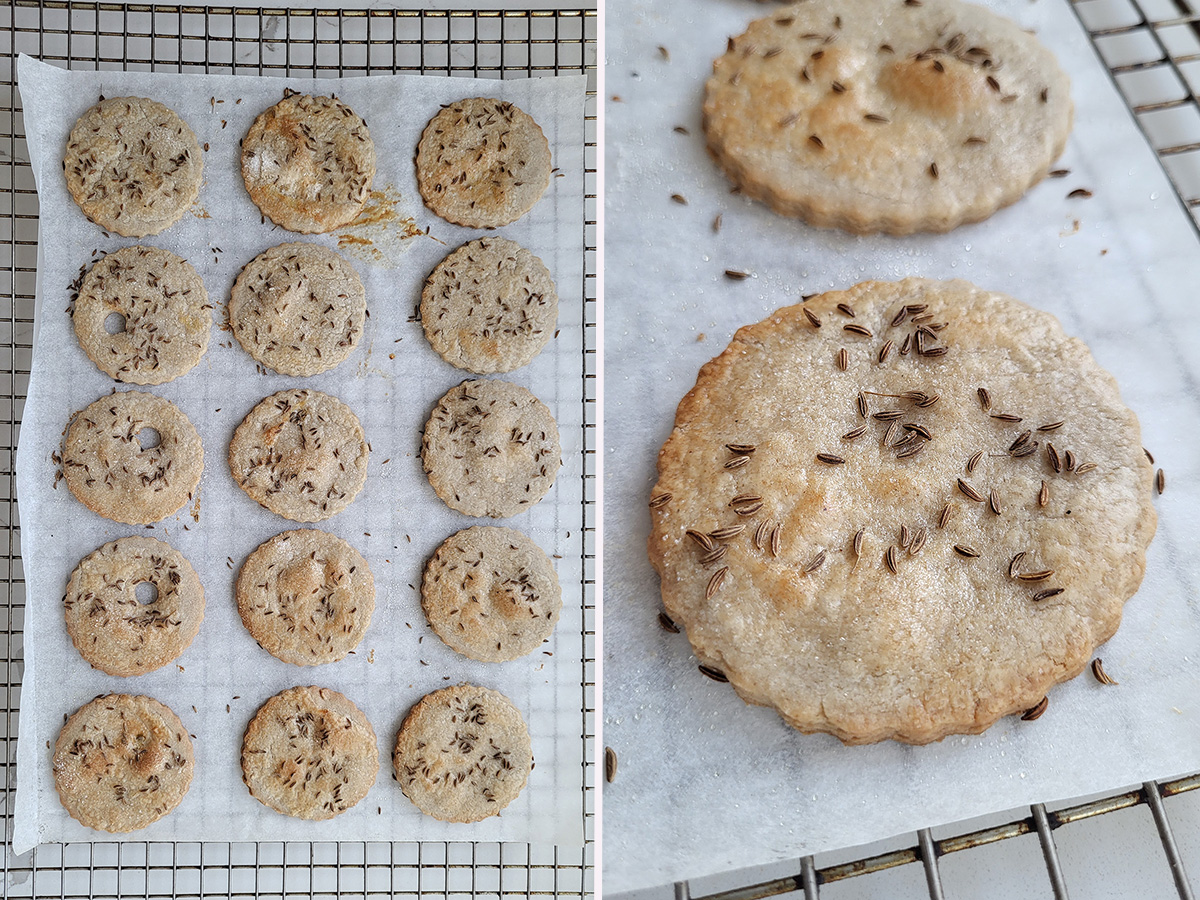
(969, 492)
(736, 274)
(679, 129)
(1035, 712)
(667, 623)
(680, 199)
(716, 225)
(1099, 674)
(1160, 481)
(610, 764)
(714, 674)
(714, 583)
(660, 500)
(966, 550)
(1149, 455)
(889, 559)
(1079, 193)
(1044, 494)
(985, 399)
(1047, 594)
(1015, 566)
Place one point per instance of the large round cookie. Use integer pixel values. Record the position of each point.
(306, 596)
(913, 546)
(482, 163)
(308, 163)
(490, 448)
(122, 762)
(113, 465)
(491, 594)
(298, 308)
(160, 315)
(114, 629)
(133, 166)
(301, 454)
(463, 754)
(309, 752)
(884, 115)
(490, 306)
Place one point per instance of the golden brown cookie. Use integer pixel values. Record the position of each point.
(901, 511)
(308, 163)
(463, 754)
(306, 596)
(310, 753)
(132, 457)
(482, 163)
(133, 166)
(886, 115)
(142, 315)
(491, 594)
(110, 623)
(122, 762)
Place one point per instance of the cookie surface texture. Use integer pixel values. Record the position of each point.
(132, 457)
(490, 448)
(916, 545)
(122, 762)
(482, 163)
(491, 594)
(133, 166)
(298, 309)
(112, 627)
(463, 754)
(490, 306)
(309, 752)
(308, 163)
(306, 596)
(301, 454)
(881, 115)
(142, 315)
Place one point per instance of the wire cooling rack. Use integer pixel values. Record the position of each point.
(260, 41)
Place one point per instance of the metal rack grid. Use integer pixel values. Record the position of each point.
(1151, 50)
(274, 41)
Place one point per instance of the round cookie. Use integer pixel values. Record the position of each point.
(160, 311)
(490, 448)
(298, 309)
(113, 467)
(910, 540)
(115, 631)
(309, 753)
(463, 754)
(301, 454)
(133, 166)
(482, 163)
(880, 115)
(490, 306)
(306, 596)
(122, 762)
(491, 594)
(308, 163)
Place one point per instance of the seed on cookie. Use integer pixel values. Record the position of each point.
(463, 754)
(298, 308)
(133, 166)
(309, 752)
(308, 163)
(482, 163)
(122, 762)
(142, 315)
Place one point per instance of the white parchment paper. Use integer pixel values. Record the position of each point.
(707, 784)
(391, 381)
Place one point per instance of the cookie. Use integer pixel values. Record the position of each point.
(122, 762)
(910, 538)
(132, 457)
(133, 166)
(881, 115)
(490, 448)
(463, 754)
(301, 454)
(120, 632)
(298, 309)
(482, 163)
(491, 594)
(142, 315)
(490, 306)
(306, 596)
(308, 163)
(310, 753)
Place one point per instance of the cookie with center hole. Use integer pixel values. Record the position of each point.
(132, 457)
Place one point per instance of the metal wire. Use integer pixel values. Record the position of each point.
(274, 41)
